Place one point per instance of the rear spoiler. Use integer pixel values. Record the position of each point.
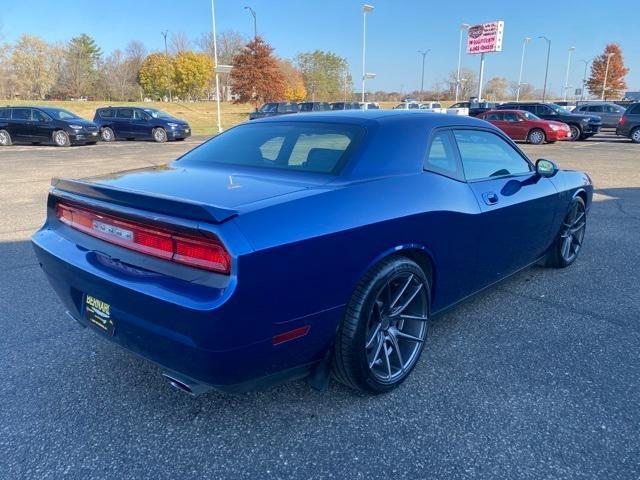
(150, 202)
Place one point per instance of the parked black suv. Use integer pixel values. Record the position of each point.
(45, 125)
(139, 123)
(272, 109)
(475, 108)
(314, 106)
(582, 126)
(629, 124)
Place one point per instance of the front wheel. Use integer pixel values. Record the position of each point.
(61, 138)
(536, 137)
(107, 135)
(576, 133)
(569, 242)
(635, 135)
(159, 135)
(5, 138)
(385, 326)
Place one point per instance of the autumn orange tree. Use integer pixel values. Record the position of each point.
(256, 76)
(615, 74)
(294, 83)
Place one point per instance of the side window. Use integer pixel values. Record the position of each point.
(531, 108)
(510, 117)
(38, 116)
(107, 113)
(486, 155)
(139, 115)
(21, 114)
(635, 109)
(596, 108)
(543, 110)
(126, 113)
(442, 158)
(4, 113)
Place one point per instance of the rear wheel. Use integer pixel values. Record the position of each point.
(385, 326)
(569, 241)
(159, 135)
(536, 136)
(107, 135)
(5, 138)
(635, 135)
(576, 132)
(61, 138)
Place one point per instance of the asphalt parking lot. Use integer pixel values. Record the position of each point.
(538, 378)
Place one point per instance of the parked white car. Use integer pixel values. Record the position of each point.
(407, 106)
(434, 107)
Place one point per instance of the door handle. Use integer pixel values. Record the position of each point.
(490, 198)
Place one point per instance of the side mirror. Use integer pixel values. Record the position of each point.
(546, 168)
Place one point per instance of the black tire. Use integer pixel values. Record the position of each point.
(91, 143)
(355, 362)
(576, 132)
(107, 135)
(635, 135)
(60, 138)
(572, 231)
(159, 135)
(5, 139)
(536, 136)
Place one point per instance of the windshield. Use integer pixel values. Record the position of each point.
(60, 114)
(529, 115)
(298, 146)
(268, 107)
(558, 109)
(155, 113)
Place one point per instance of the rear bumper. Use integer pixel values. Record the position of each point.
(184, 328)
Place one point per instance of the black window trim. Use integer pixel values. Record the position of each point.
(503, 137)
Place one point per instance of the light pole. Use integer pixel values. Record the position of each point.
(463, 27)
(606, 73)
(566, 78)
(366, 8)
(424, 54)
(524, 47)
(546, 72)
(255, 22)
(166, 54)
(584, 78)
(215, 61)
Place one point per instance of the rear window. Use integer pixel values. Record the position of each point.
(21, 113)
(303, 147)
(125, 113)
(106, 113)
(4, 113)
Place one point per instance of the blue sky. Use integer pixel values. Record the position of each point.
(395, 31)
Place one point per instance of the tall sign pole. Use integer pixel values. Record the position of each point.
(481, 39)
(215, 62)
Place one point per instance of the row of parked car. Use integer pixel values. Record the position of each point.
(63, 128)
(272, 109)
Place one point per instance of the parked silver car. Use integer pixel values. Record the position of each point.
(609, 112)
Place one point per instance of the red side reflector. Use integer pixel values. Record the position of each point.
(205, 253)
(290, 335)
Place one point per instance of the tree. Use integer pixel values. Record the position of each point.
(192, 72)
(526, 91)
(156, 75)
(496, 89)
(326, 75)
(468, 84)
(229, 44)
(615, 83)
(34, 67)
(81, 64)
(294, 90)
(179, 43)
(255, 75)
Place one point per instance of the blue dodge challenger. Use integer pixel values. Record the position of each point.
(305, 245)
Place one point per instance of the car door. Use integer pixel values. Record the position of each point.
(21, 125)
(42, 125)
(140, 126)
(122, 122)
(517, 125)
(517, 206)
(597, 110)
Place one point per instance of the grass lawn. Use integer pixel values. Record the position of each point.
(200, 115)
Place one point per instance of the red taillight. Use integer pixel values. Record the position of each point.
(205, 253)
(621, 122)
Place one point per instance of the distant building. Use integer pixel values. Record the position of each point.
(632, 96)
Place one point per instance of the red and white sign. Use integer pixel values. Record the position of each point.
(485, 38)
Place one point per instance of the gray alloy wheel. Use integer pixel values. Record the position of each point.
(536, 136)
(576, 133)
(635, 135)
(107, 135)
(159, 135)
(61, 139)
(5, 138)
(569, 242)
(383, 333)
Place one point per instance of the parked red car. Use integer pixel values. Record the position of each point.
(523, 125)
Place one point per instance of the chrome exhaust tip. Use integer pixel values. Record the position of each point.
(185, 384)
